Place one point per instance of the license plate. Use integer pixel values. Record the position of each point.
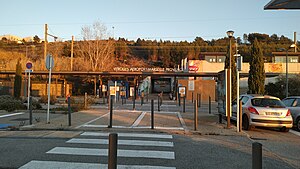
(273, 113)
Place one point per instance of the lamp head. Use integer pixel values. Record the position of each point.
(230, 33)
(293, 46)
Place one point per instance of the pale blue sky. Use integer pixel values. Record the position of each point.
(173, 20)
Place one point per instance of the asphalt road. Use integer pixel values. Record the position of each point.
(280, 150)
(169, 149)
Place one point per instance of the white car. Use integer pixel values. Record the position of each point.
(264, 111)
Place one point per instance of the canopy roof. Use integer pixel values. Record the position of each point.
(283, 4)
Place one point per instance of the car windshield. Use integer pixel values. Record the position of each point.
(267, 102)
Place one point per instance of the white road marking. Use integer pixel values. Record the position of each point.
(138, 120)
(121, 153)
(92, 121)
(181, 120)
(13, 114)
(138, 127)
(165, 112)
(161, 128)
(142, 135)
(102, 126)
(123, 142)
(71, 165)
(295, 132)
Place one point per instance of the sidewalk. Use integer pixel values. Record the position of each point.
(208, 124)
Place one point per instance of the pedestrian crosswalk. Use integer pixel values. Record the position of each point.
(135, 151)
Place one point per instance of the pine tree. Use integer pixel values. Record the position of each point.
(256, 80)
(18, 80)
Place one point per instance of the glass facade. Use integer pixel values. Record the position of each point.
(291, 59)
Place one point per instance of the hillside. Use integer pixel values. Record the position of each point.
(123, 53)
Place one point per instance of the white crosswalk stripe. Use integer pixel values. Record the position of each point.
(141, 135)
(69, 165)
(94, 144)
(104, 152)
(123, 142)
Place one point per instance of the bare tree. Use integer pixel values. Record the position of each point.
(97, 48)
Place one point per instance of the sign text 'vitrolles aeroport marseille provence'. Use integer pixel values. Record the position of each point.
(145, 69)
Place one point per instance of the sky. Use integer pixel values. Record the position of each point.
(174, 20)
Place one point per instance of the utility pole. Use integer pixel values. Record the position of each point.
(72, 48)
(295, 41)
(45, 42)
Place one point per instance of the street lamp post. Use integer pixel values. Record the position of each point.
(287, 68)
(286, 74)
(228, 85)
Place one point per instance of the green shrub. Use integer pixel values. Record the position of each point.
(36, 104)
(44, 99)
(9, 103)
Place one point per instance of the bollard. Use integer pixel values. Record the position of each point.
(183, 105)
(147, 98)
(122, 99)
(30, 110)
(110, 113)
(192, 97)
(158, 104)
(152, 114)
(161, 99)
(256, 155)
(220, 118)
(195, 115)
(209, 105)
(142, 101)
(107, 99)
(85, 100)
(133, 105)
(112, 152)
(241, 115)
(199, 102)
(197, 99)
(69, 110)
(108, 102)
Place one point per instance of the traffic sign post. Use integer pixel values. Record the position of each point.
(49, 66)
(28, 70)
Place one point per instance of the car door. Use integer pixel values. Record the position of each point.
(295, 109)
(244, 100)
(290, 103)
(234, 108)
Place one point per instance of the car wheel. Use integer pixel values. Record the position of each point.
(245, 123)
(284, 129)
(298, 124)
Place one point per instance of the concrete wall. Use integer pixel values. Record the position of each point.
(204, 66)
(204, 87)
(39, 89)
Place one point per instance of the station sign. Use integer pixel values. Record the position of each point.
(191, 85)
(181, 90)
(104, 88)
(112, 90)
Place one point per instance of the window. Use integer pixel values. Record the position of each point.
(210, 58)
(297, 103)
(288, 102)
(244, 100)
(293, 59)
(267, 102)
